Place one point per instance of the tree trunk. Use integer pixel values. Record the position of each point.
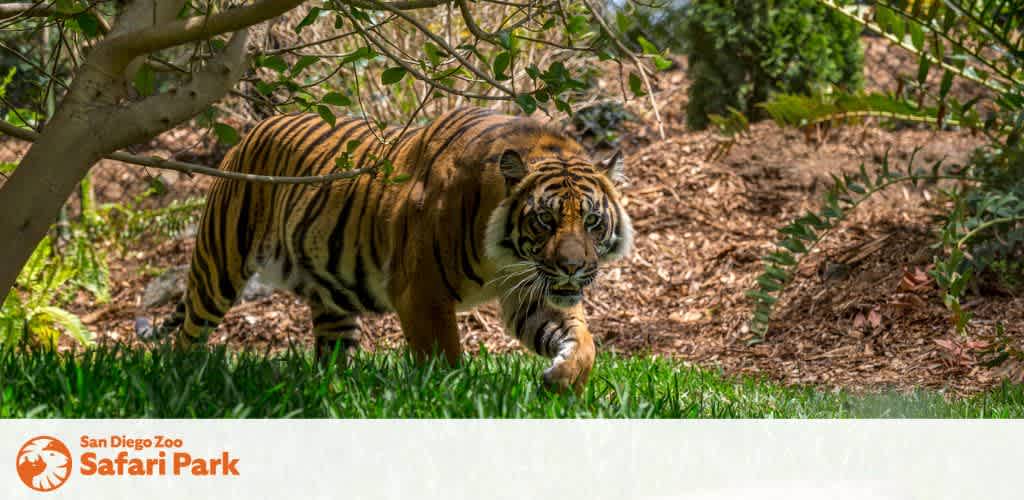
(96, 119)
(48, 174)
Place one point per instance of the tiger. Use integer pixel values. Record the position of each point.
(478, 206)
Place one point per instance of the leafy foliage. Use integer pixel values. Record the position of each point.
(603, 122)
(56, 272)
(743, 51)
(982, 234)
(44, 278)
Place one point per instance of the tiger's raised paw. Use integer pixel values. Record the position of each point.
(570, 371)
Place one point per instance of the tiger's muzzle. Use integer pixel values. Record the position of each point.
(573, 268)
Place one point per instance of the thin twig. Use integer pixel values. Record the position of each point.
(192, 168)
(636, 60)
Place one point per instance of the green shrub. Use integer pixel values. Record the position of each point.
(742, 51)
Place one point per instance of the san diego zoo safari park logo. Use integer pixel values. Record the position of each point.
(44, 463)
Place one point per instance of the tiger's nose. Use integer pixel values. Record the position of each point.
(571, 265)
(571, 255)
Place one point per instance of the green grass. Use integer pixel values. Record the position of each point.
(121, 382)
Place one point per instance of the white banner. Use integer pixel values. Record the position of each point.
(483, 459)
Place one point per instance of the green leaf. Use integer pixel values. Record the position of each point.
(433, 53)
(303, 63)
(336, 99)
(636, 84)
(769, 284)
(326, 114)
(71, 324)
(226, 134)
(527, 103)
(392, 75)
(622, 21)
(646, 45)
(501, 63)
(310, 18)
(145, 80)
(577, 24)
(947, 83)
(662, 63)
(917, 36)
(760, 296)
(359, 54)
(88, 23)
(275, 63)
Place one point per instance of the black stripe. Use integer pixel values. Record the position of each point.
(267, 143)
(201, 292)
(556, 334)
(444, 276)
(243, 226)
(336, 241)
(360, 288)
(463, 128)
(336, 133)
(474, 208)
(468, 239)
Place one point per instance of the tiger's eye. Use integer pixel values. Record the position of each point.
(546, 218)
(592, 221)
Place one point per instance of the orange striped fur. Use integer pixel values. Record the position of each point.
(495, 207)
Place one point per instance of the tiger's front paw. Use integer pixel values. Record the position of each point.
(571, 368)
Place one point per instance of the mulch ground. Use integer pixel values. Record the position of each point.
(701, 228)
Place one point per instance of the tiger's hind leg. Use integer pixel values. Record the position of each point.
(219, 268)
(334, 330)
(205, 304)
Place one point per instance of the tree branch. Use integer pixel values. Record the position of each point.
(26, 9)
(39, 9)
(474, 28)
(121, 49)
(160, 112)
(192, 168)
(448, 48)
(406, 5)
(422, 77)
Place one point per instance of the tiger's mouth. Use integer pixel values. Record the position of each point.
(564, 293)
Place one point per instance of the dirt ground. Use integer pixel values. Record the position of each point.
(701, 228)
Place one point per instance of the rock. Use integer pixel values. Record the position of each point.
(166, 288)
(171, 285)
(256, 289)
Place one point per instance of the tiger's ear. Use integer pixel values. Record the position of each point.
(512, 167)
(612, 167)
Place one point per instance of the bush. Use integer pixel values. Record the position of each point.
(742, 51)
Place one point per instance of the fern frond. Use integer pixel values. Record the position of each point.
(800, 111)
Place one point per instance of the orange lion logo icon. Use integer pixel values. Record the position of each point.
(44, 463)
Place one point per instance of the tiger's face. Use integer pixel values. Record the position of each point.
(561, 221)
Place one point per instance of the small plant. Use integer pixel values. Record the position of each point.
(31, 315)
(743, 51)
(602, 122)
(56, 271)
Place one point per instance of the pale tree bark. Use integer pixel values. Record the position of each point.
(97, 117)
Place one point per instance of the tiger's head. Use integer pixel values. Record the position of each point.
(561, 220)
